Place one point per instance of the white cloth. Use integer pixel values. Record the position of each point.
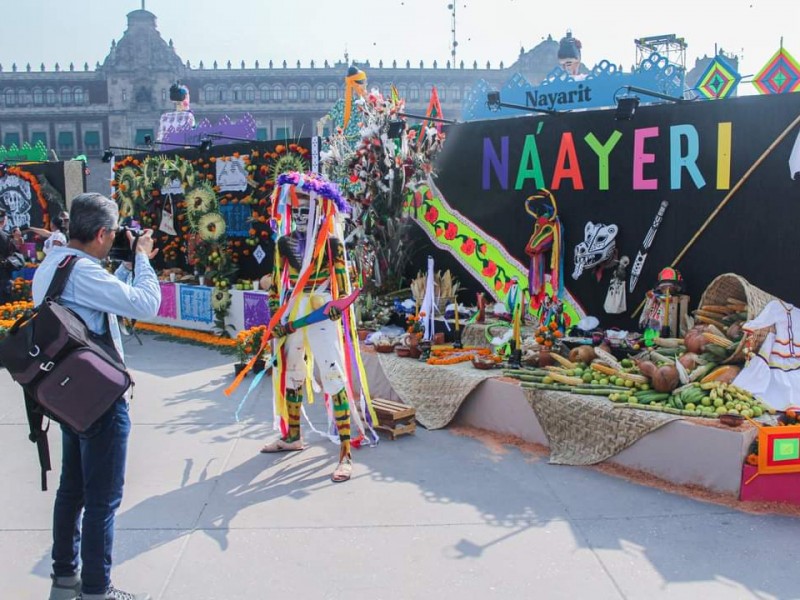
(323, 343)
(54, 237)
(774, 373)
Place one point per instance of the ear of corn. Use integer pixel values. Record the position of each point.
(564, 362)
(607, 358)
(668, 342)
(711, 321)
(605, 369)
(719, 340)
(566, 379)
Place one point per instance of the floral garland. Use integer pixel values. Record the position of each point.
(201, 337)
(451, 356)
(10, 312)
(311, 182)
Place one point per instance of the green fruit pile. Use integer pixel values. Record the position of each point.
(710, 400)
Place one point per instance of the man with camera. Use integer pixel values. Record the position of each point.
(93, 463)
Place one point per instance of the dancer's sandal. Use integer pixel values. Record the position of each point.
(280, 445)
(343, 471)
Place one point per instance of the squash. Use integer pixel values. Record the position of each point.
(694, 340)
(582, 354)
(665, 379)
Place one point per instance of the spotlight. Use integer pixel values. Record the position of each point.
(493, 100)
(108, 156)
(205, 145)
(396, 129)
(494, 103)
(626, 107)
(148, 140)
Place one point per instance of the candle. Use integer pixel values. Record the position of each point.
(455, 299)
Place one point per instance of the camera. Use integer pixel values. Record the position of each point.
(122, 249)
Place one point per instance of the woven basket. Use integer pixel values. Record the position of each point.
(730, 287)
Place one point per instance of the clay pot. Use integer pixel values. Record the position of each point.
(545, 359)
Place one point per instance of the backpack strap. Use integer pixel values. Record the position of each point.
(59, 281)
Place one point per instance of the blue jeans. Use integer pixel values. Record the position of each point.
(92, 476)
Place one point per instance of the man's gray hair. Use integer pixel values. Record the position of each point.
(89, 213)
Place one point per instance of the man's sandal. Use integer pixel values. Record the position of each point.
(280, 445)
(343, 471)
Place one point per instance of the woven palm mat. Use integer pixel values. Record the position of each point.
(435, 391)
(585, 430)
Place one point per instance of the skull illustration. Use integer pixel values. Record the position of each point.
(596, 248)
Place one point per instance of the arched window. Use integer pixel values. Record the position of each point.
(23, 97)
(456, 93)
(292, 93)
(79, 97)
(66, 96)
(305, 93)
(38, 97)
(222, 95)
(236, 93)
(265, 93)
(401, 90)
(50, 96)
(413, 92)
(250, 93)
(277, 93)
(333, 92)
(319, 93)
(209, 95)
(11, 98)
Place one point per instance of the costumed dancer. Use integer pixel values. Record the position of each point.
(773, 374)
(310, 271)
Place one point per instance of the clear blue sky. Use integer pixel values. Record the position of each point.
(76, 31)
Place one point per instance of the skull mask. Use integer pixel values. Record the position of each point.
(596, 248)
(300, 213)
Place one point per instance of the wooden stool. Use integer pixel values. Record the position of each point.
(394, 418)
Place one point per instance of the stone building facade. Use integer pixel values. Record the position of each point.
(83, 110)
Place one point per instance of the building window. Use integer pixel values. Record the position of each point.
(66, 96)
(456, 93)
(387, 91)
(38, 97)
(141, 134)
(236, 94)
(413, 93)
(163, 95)
(11, 138)
(209, 95)
(277, 94)
(265, 95)
(222, 95)
(282, 134)
(442, 94)
(91, 141)
(319, 93)
(11, 98)
(401, 91)
(79, 98)
(23, 97)
(50, 96)
(292, 95)
(261, 134)
(333, 92)
(250, 94)
(305, 93)
(66, 141)
(39, 136)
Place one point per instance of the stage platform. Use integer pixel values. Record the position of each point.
(681, 451)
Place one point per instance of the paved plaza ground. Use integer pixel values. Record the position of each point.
(433, 515)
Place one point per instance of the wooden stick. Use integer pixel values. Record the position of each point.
(728, 196)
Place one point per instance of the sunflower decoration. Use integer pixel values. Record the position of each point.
(128, 190)
(200, 200)
(289, 162)
(211, 227)
(152, 171)
(220, 300)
